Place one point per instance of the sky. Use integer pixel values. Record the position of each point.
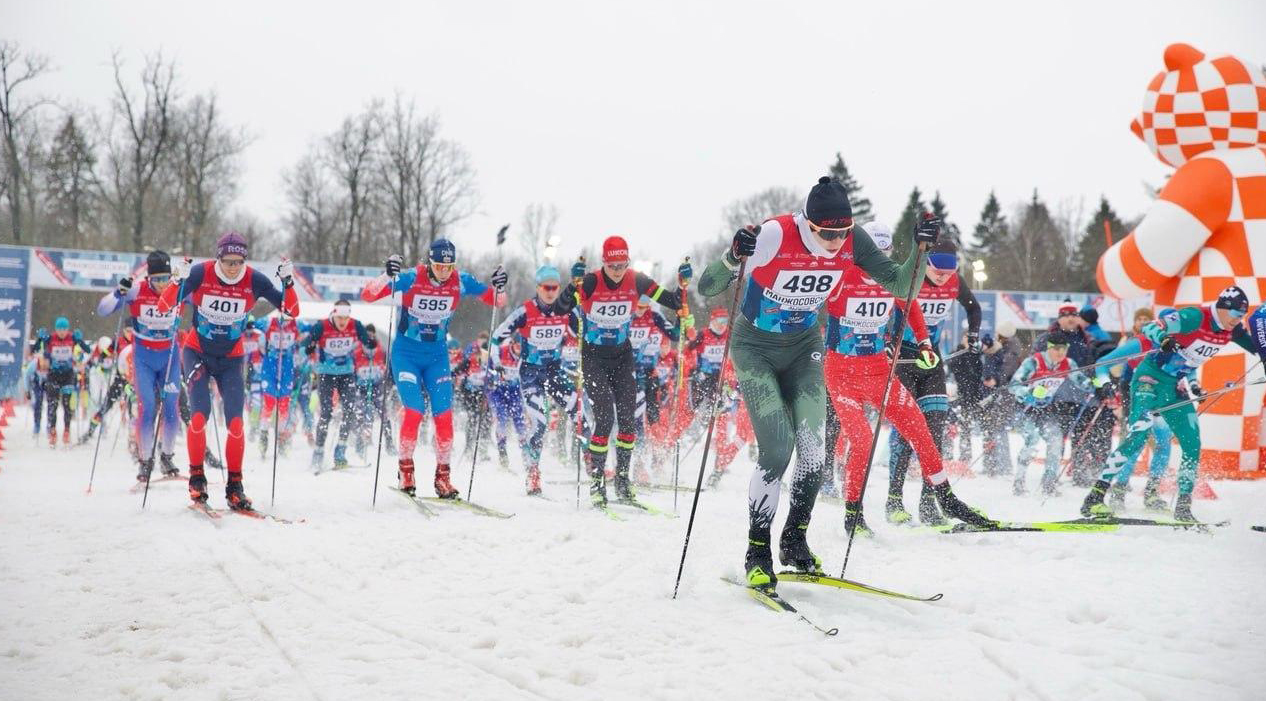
(646, 118)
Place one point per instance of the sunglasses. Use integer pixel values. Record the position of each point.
(443, 266)
(617, 266)
(548, 288)
(232, 262)
(829, 234)
(159, 278)
(1235, 313)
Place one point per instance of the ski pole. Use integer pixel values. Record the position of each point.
(483, 408)
(1238, 380)
(382, 413)
(272, 497)
(162, 388)
(712, 416)
(1079, 368)
(892, 373)
(118, 328)
(1207, 395)
(577, 284)
(951, 356)
(681, 378)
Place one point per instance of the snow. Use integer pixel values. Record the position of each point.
(100, 599)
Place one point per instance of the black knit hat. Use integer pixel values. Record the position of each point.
(1058, 337)
(158, 263)
(827, 205)
(1233, 298)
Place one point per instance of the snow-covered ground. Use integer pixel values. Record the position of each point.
(102, 600)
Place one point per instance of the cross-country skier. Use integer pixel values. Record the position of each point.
(540, 324)
(36, 375)
(505, 398)
(795, 262)
(942, 286)
(1185, 338)
(1036, 384)
(374, 384)
(334, 340)
(56, 355)
(419, 353)
(277, 345)
(646, 331)
(153, 364)
(607, 297)
(106, 358)
(223, 292)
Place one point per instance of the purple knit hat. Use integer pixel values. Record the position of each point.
(231, 244)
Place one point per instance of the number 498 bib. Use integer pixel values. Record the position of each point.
(803, 290)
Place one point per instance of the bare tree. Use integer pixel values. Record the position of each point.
(349, 154)
(408, 142)
(204, 161)
(16, 67)
(71, 181)
(146, 126)
(539, 221)
(756, 208)
(449, 194)
(314, 210)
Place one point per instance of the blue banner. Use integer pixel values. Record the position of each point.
(14, 265)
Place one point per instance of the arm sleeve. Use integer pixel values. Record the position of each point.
(723, 271)
(917, 325)
(1019, 386)
(895, 278)
(970, 305)
(112, 302)
(262, 287)
(363, 335)
(650, 288)
(472, 287)
(1242, 338)
(572, 295)
(512, 323)
(1129, 346)
(662, 323)
(1079, 378)
(167, 301)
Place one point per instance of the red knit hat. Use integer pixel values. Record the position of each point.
(615, 250)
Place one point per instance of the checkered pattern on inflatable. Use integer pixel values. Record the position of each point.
(1206, 117)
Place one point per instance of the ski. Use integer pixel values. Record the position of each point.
(825, 580)
(423, 508)
(668, 487)
(469, 506)
(259, 515)
(1035, 527)
(634, 503)
(206, 511)
(1126, 521)
(140, 484)
(770, 599)
(339, 468)
(606, 510)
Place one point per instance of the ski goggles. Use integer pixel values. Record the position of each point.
(158, 278)
(943, 261)
(549, 286)
(617, 267)
(830, 234)
(442, 267)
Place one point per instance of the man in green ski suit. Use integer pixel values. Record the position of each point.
(794, 264)
(1184, 339)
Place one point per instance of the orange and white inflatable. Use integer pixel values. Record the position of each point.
(1206, 117)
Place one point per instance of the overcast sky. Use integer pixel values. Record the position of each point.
(647, 118)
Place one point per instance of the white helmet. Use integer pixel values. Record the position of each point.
(881, 234)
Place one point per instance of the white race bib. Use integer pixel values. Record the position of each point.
(934, 310)
(639, 335)
(867, 315)
(803, 290)
(223, 310)
(431, 309)
(611, 315)
(339, 345)
(62, 354)
(281, 339)
(713, 353)
(547, 337)
(152, 319)
(1199, 352)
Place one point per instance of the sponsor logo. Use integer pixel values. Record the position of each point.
(406, 377)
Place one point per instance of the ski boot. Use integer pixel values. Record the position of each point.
(793, 550)
(405, 473)
(854, 521)
(1182, 509)
(318, 456)
(340, 457)
(1018, 489)
(311, 439)
(624, 489)
(168, 465)
(235, 496)
(197, 485)
(534, 481)
(597, 489)
(144, 468)
(1152, 500)
(1116, 497)
(929, 514)
(759, 565)
(955, 508)
(443, 487)
(1093, 505)
(503, 458)
(895, 510)
(52, 438)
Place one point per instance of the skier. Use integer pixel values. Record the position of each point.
(607, 297)
(253, 341)
(36, 376)
(278, 342)
(334, 340)
(648, 328)
(505, 398)
(110, 357)
(419, 353)
(56, 355)
(222, 291)
(540, 324)
(372, 381)
(795, 261)
(1036, 384)
(470, 371)
(1185, 338)
(708, 348)
(154, 366)
(942, 286)
(857, 369)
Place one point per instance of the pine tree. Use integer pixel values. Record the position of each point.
(861, 205)
(905, 225)
(1091, 246)
(948, 228)
(991, 231)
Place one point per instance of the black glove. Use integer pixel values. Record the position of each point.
(973, 342)
(499, 278)
(125, 284)
(1194, 388)
(309, 349)
(928, 230)
(393, 264)
(1105, 391)
(1168, 344)
(744, 243)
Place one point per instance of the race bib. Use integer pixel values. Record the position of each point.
(803, 290)
(611, 315)
(369, 372)
(639, 335)
(222, 311)
(713, 353)
(546, 337)
(152, 319)
(1198, 352)
(934, 310)
(282, 340)
(62, 354)
(1051, 384)
(867, 315)
(431, 309)
(339, 345)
